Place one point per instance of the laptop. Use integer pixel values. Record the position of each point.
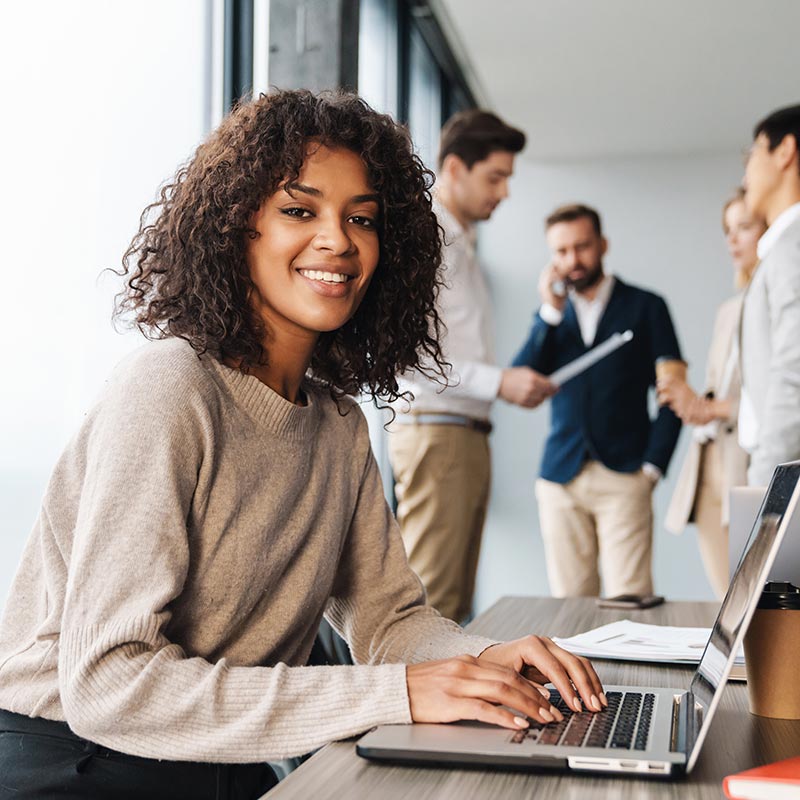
(745, 506)
(644, 731)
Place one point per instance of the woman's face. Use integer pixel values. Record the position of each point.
(317, 245)
(742, 232)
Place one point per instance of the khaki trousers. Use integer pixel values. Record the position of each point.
(712, 535)
(442, 475)
(601, 521)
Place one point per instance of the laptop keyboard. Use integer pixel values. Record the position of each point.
(624, 725)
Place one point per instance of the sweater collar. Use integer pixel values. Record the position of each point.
(267, 407)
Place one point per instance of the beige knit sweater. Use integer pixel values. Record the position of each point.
(192, 536)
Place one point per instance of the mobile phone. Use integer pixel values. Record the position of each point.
(558, 288)
(630, 601)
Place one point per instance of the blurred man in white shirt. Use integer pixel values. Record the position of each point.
(439, 444)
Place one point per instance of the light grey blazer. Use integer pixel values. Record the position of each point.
(733, 459)
(770, 346)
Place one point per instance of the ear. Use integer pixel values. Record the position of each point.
(453, 167)
(786, 153)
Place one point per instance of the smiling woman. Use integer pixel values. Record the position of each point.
(222, 497)
(312, 252)
(194, 270)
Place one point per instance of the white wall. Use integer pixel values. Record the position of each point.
(662, 218)
(102, 101)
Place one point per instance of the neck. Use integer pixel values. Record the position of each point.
(444, 195)
(590, 292)
(288, 357)
(785, 197)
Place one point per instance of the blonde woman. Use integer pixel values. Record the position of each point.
(715, 462)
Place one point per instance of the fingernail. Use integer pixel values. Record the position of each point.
(595, 703)
(576, 704)
(604, 699)
(543, 692)
(521, 723)
(556, 714)
(546, 715)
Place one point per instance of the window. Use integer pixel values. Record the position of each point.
(103, 100)
(424, 99)
(378, 64)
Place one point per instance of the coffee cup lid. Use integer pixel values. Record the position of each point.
(780, 594)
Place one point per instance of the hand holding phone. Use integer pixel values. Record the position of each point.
(552, 287)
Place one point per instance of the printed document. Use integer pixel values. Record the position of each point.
(636, 641)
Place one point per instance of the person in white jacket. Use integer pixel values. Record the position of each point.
(769, 411)
(714, 461)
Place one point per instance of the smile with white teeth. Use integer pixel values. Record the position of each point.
(327, 277)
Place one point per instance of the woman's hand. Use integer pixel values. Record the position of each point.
(542, 661)
(477, 688)
(684, 401)
(675, 393)
(466, 688)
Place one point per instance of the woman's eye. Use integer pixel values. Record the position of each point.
(296, 211)
(364, 222)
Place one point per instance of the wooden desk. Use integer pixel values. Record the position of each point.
(737, 740)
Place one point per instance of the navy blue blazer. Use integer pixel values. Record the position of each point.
(603, 413)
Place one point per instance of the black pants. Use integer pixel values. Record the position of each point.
(44, 759)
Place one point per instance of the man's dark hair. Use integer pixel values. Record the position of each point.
(570, 213)
(780, 124)
(474, 135)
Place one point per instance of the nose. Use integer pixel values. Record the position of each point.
(332, 236)
(503, 192)
(571, 259)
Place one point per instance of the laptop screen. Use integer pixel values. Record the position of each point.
(743, 594)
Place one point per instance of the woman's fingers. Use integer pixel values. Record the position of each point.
(580, 674)
(513, 694)
(491, 714)
(540, 660)
(445, 691)
(573, 676)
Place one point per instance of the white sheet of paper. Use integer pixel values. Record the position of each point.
(636, 641)
(582, 363)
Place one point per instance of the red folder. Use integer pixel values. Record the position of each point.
(778, 781)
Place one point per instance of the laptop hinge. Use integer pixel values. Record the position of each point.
(682, 730)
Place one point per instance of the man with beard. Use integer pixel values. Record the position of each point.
(604, 454)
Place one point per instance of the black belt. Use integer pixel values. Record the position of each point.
(480, 425)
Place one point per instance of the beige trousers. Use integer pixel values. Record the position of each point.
(712, 535)
(442, 475)
(599, 522)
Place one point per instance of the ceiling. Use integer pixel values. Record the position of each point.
(588, 78)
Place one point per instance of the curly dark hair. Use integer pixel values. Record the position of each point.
(186, 267)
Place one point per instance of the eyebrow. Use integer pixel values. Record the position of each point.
(293, 186)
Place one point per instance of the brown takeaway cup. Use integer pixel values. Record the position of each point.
(772, 653)
(668, 367)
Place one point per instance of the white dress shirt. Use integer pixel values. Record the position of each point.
(748, 419)
(588, 312)
(467, 340)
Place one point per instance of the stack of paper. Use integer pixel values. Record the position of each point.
(635, 641)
